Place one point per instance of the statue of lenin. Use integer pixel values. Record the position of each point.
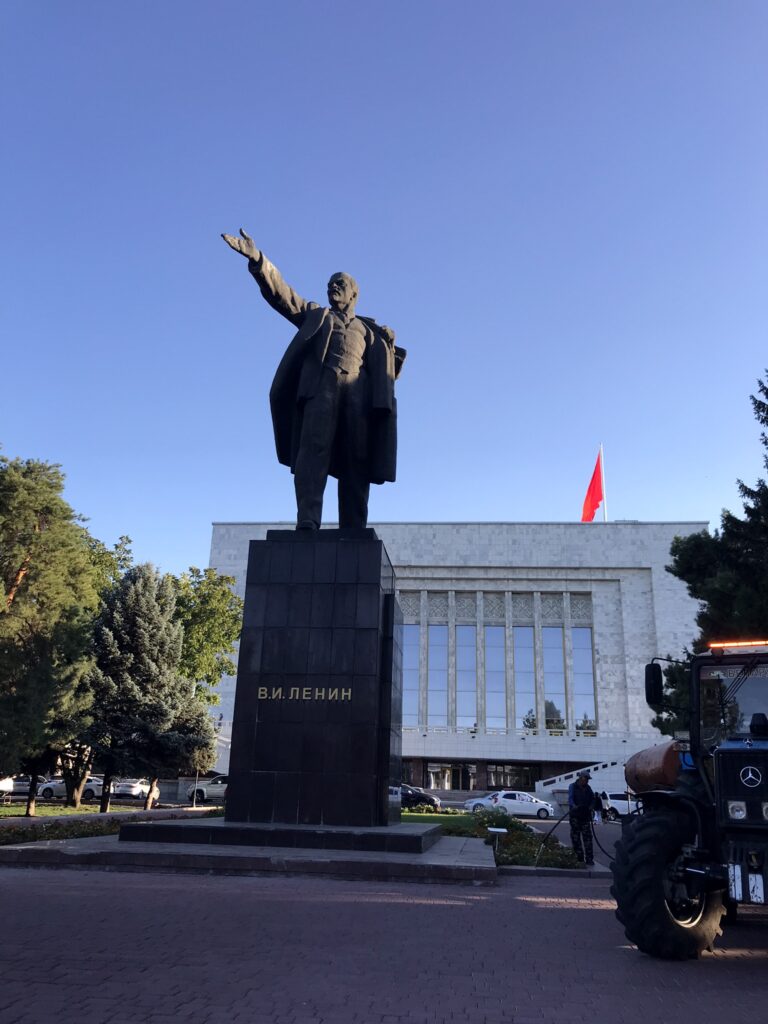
(333, 397)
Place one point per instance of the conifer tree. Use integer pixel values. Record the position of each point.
(727, 571)
(144, 708)
(76, 756)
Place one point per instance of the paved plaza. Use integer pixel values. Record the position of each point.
(96, 947)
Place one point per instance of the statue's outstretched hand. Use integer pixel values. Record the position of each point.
(245, 245)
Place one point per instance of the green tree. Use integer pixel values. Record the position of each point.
(727, 572)
(49, 594)
(674, 717)
(111, 563)
(146, 717)
(76, 756)
(211, 615)
(189, 744)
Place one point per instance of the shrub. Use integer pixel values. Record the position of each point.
(520, 845)
(75, 828)
(496, 817)
(466, 829)
(431, 809)
(521, 848)
(12, 835)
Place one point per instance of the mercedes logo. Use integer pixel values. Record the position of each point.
(750, 776)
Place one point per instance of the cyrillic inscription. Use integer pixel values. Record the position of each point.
(303, 693)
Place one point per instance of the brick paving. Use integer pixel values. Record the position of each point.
(95, 947)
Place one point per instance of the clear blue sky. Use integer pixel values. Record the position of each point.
(560, 208)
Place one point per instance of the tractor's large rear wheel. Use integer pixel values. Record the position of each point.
(661, 913)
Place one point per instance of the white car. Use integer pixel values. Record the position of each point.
(480, 803)
(6, 786)
(138, 789)
(521, 805)
(209, 789)
(618, 805)
(21, 784)
(55, 788)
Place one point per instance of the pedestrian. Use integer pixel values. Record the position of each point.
(581, 802)
(598, 808)
(606, 803)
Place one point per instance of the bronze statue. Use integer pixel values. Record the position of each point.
(333, 397)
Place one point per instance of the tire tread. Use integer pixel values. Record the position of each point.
(648, 843)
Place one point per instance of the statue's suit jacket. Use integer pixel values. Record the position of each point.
(298, 375)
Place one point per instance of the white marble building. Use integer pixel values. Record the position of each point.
(524, 643)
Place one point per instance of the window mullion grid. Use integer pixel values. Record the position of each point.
(451, 719)
(424, 619)
(538, 661)
(570, 704)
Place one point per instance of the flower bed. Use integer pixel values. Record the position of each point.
(521, 844)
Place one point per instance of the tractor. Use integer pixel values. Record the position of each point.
(698, 847)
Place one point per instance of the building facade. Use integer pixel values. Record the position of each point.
(524, 643)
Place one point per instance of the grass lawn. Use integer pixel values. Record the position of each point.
(16, 810)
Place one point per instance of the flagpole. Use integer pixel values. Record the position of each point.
(602, 484)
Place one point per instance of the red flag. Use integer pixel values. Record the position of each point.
(594, 492)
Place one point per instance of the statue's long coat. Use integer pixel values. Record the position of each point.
(298, 376)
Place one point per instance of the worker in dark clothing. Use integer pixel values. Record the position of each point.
(581, 802)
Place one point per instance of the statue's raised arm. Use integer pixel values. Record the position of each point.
(244, 245)
(274, 287)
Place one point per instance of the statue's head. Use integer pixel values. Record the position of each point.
(342, 292)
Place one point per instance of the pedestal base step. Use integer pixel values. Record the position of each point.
(451, 860)
(402, 838)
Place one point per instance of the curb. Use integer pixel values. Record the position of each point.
(596, 871)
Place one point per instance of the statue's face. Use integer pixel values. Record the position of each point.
(342, 291)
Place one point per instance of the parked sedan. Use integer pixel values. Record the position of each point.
(522, 805)
(138, 789)
(21, 784)
(412, 796)
(214, 790)
(55, 788)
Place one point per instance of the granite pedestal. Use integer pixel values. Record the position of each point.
(316, 739)
(316, 736)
